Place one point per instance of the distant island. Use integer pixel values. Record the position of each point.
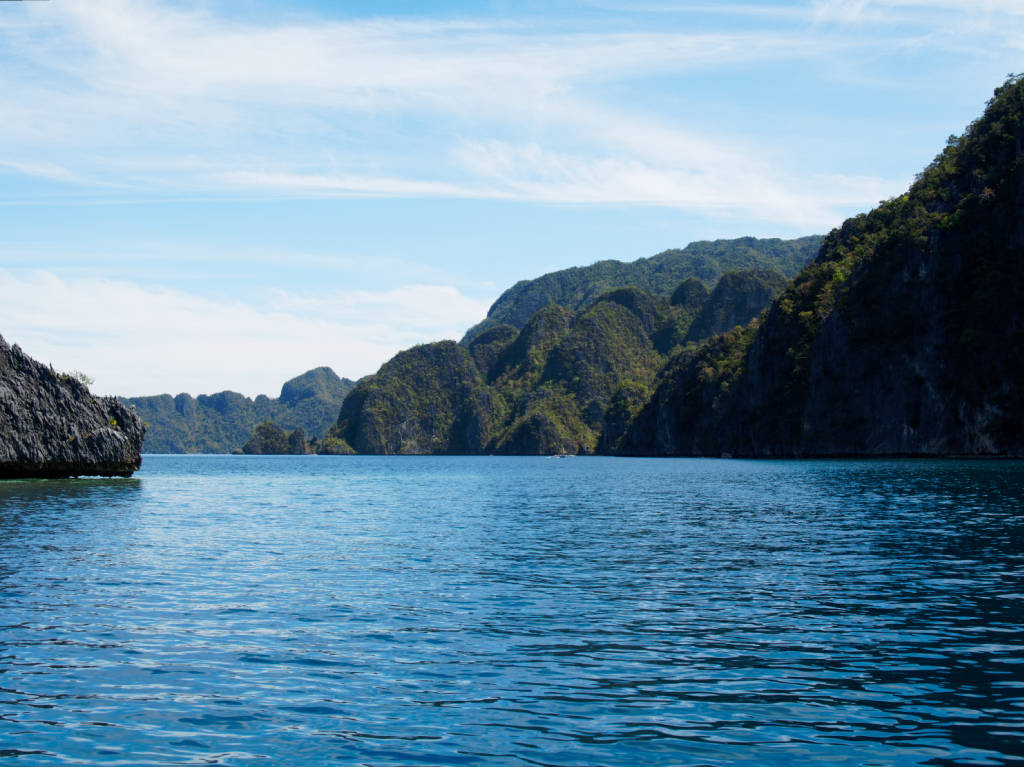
(704, 261)
(225, 422)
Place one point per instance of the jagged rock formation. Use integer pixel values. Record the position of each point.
(704, 262)
(50, 426)
(223, 422)
(905, 336)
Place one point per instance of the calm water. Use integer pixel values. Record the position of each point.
(504, 611)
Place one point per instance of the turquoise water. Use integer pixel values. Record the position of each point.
(515, 611)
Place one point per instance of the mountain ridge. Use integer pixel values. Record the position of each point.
(546, 388)
(704, 260)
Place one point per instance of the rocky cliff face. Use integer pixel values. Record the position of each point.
(736, 300)
(50, 426)
(905, 336)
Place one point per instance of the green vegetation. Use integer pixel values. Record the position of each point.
(223, 422)
(568, 382)
(905, 335)
(330, 446)
(78, 375)
(660, 275)
(736, 300)
(413, 403)
(270, 439)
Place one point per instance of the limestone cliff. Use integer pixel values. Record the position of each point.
(51, 426)
(904, 336)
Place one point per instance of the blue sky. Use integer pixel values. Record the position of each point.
(197, 196)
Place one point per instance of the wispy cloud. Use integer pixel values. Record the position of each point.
(949, 15)
(642, 164)
(360, 186)
(39, 170)
(221, 106)
(154, 53)
(718, 183)
(135, 339)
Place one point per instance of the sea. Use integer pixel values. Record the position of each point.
(389, 611)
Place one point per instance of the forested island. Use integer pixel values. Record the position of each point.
(903, 336)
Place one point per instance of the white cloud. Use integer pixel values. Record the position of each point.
(691, 177)
(208, 100)
(135, 339)
(949, 16)
(347, 185)
(40, 170)
(1012, 7)
(201, 103)
(144, 47)
(153, 58)
(675, 172)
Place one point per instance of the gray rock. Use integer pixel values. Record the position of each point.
(51, 426)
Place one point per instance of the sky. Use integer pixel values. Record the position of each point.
(203, 195)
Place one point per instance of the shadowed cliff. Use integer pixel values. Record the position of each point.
(904, 336)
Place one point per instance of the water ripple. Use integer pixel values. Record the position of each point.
(481, 611)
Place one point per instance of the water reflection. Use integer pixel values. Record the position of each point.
(22, 493)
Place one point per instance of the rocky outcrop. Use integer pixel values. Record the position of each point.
(51, 426)
(271, 439)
